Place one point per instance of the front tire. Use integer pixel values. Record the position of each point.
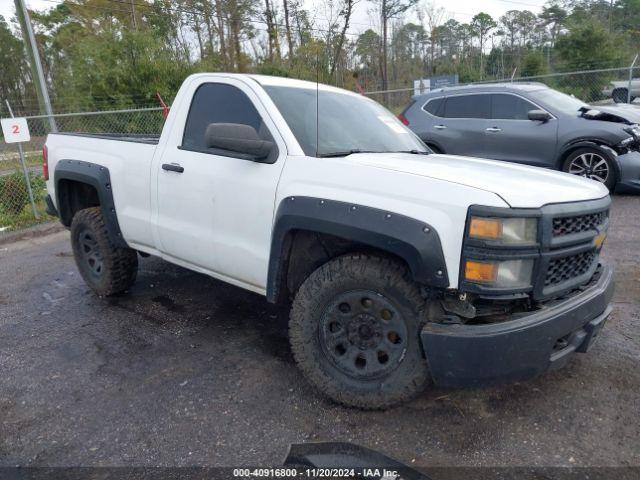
(591, 163)
(355, 332)
(105, 268)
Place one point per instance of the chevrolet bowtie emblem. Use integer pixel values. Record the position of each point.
(599, 240)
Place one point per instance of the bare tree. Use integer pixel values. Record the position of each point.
(235, 24)
(389, 9)
(195, 13)
(431, 17)
(272, 32)
(285, 4)
(346, 11)
(221, 38)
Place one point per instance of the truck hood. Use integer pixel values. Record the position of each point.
(518, 185)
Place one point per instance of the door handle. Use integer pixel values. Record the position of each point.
(440, 127)
(494, 129)
(172, 167)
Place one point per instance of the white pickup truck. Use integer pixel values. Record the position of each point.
(402, 268)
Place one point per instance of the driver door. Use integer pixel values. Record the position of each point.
(215, 211)
(514, 138)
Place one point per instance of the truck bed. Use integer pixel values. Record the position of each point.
(120, 137)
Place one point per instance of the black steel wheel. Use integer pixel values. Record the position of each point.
(355, 332)
(363, 334)
(90, 253)
(593, 164)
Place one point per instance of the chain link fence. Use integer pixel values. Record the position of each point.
(597, 87)
(606, 86)
(16, 208)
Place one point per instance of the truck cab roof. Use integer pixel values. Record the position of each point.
(276, 81)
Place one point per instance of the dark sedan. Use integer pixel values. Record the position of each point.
(531, 124)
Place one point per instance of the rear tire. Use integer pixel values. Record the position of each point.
(355, 332)
(105, 268)
(591, 163)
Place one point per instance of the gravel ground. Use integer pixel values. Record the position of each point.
(186, 370)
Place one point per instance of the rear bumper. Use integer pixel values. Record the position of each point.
(476, 355)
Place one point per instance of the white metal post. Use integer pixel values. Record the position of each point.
(25, 171)
(631, 79)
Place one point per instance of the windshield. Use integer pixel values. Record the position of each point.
(348, 123)
(559, 101)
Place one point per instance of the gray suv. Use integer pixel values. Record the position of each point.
(531, 124)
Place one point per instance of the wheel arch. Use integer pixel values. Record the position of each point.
(310, 231)
(602, 146)
(434, 145)
(80, 185)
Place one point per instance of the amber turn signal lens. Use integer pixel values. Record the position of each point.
(485, 228)
(480, 271)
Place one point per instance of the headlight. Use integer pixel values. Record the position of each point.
(499, 274)
(508, 231)
(633, 130)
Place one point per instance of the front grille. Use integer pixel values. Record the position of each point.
(567, 268)
(578, 223)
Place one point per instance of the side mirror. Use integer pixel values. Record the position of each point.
(539, 116)
(239, 138)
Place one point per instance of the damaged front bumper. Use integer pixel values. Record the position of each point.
(629, 173)
(476, 355)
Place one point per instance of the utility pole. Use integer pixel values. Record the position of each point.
(133, 14)
(611, 16)
(34, 60)
(631, 78)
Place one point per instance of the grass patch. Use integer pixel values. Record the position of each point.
(15, 208)
(33, 159)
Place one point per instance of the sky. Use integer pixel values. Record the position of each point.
(461, 10)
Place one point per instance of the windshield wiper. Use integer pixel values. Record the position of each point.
(414, 152)
(356, 150)
(345, 153)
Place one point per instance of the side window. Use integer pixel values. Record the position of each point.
(435, 107)
(219, 103)
(468, 106)
(510, 107)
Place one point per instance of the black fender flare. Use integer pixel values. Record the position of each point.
(595, 144)
(415, 241)
(99, 178)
